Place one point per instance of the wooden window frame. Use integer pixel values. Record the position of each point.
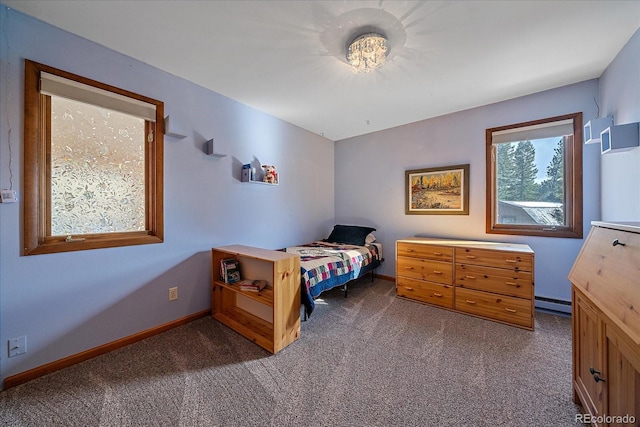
(573, 185)
(37, 143)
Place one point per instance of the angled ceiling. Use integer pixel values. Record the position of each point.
(287, 58)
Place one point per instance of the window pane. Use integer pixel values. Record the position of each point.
(534, 172)
(97, 170)
(531, 183)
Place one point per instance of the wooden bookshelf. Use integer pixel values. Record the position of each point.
(271, 317)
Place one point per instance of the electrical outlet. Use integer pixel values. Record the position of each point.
(173, 293)
(17, 346)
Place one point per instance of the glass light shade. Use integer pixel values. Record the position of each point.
(367, 52)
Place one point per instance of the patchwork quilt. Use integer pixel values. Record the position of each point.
(325, 265)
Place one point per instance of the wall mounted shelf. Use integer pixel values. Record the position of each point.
(169, 131)
(593, 128)
(260, 182)
(211, 151)
(249, 175)
(619, 138)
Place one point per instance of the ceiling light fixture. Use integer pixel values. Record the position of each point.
(367, 52)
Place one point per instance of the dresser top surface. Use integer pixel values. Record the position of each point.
(631, 226)
(475, 244)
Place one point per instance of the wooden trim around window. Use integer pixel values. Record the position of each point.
(573, 174)
(37, 130)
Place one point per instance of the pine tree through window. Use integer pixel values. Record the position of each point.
(534, 172)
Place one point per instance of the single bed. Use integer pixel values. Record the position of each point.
(348, 253)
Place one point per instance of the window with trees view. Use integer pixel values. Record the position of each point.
(534, 172)
(93, 172)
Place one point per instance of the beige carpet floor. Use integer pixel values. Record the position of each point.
(367, 360)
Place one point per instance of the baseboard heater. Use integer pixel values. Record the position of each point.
(552, 304)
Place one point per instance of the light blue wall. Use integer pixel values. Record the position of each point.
(459, 138)
(70, 302)
(620, 98)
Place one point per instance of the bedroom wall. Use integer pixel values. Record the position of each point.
(453, 139)
(620, 98)
(70, 302)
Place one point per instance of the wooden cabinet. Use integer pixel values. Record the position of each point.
(485, 279)
(606, 324)
(271, 317)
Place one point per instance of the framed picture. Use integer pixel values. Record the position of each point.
(437, 191)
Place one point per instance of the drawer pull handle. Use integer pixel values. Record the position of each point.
(512, 261)
(408, 288)
(408, 268)
(409, 250)
(435, 294)
(438, 253)
(469, 277)
(511, 284)
(471, 257)
(437, 272)
(511, 310)
(616, 243)
(596, 375)
(470, 302)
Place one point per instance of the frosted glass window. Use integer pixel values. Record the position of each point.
(97, 169)
(93, 164)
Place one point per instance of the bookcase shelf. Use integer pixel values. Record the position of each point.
(271, 317)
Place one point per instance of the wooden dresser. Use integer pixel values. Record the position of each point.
(485, 279)
(606, 324)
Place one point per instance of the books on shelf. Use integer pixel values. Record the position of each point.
(252, 285)
(229, 270)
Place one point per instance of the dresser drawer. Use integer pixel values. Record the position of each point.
(499, 259)
(507, 309)
(429, 292)
(506, 282)
(424, 269)
(433, 252)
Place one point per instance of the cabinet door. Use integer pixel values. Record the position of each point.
(623, 376)
(587, 357)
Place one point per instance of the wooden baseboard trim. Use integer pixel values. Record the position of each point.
(34, 373)
(389, 278)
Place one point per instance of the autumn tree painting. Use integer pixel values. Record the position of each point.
(438, 190)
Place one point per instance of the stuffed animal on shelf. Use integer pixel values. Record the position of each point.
(270, 174)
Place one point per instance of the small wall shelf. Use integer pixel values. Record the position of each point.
(249, 175)
(619, 138)
(259, 182)
(210, 150)
(593, 128)
(169, 131)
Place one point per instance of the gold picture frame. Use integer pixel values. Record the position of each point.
(437, 191)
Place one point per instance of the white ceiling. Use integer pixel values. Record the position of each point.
(287, 58)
